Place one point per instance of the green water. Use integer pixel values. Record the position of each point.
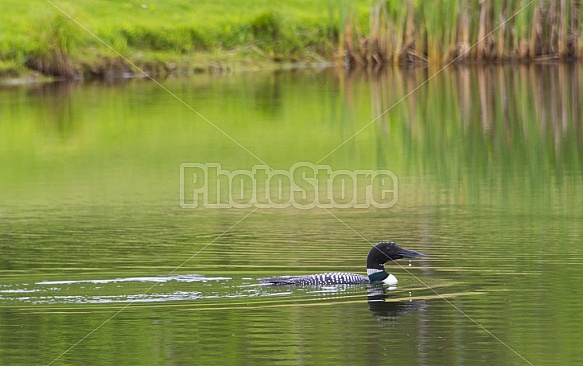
(99, 263)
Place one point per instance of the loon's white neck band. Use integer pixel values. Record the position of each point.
(370, 271)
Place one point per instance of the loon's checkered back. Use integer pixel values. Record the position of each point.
(334, 278)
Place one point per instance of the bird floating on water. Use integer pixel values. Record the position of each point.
(375, 268)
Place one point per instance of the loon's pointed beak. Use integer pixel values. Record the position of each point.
(406, 253)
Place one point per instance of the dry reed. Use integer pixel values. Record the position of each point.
(465, 31)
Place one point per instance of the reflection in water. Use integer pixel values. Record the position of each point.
(480, 132)
(381, 306)
(56, 112)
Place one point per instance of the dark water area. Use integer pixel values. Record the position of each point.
(100, 264)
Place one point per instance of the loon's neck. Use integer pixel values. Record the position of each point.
(377, 274)
(380, 275)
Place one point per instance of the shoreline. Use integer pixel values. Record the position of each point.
(111, 69)
(84, 40)
(117, 68)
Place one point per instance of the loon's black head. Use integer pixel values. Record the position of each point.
(385, 251)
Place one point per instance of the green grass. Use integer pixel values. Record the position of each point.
(170, 30)
(165, 35)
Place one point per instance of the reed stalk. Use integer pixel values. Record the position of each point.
(438, 32)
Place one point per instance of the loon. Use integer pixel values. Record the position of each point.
(375, 268)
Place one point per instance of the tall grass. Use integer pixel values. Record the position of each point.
(55, 36)
(464, 30)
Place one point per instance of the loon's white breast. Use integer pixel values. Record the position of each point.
(391, 280)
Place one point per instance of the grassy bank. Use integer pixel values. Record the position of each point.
(166, 36)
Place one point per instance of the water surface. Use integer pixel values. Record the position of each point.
(98, 255)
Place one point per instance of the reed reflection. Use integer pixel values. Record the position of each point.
(492, 130)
